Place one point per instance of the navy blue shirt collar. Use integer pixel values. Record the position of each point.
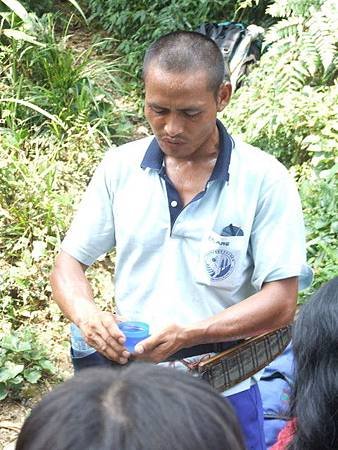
(153, 158)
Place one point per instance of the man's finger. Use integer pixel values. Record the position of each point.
(98, 335)
(94, 340)
(115, 342)
(115, 345)
(121, 358)
(147, 345)
(119, 354)
(101, 331)
(111, 345)
(113, 329)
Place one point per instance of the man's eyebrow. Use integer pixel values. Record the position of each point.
(156, 105)
(190, 109)
(186, 109)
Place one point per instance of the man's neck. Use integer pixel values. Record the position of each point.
(190, 175)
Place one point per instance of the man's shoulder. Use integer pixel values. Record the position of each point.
(255, 160)
(124, 161)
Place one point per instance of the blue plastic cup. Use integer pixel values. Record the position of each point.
(134, 332)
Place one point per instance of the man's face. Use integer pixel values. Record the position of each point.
(181, 110)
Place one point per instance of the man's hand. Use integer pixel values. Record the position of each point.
(74, 296)
(160, 346)
(101, 332)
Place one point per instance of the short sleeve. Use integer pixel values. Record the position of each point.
(91, 233)
(277, 240)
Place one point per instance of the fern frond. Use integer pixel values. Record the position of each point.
(322, 27)
(291, 73)
(332, 73)
(326, 49)
(279, 8)
(287, 8)
(283, 29)
(304, 50)
(283, 46)
(308, 53)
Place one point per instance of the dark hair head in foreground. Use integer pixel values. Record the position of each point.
(142, 407)
(315, 394)
(187, 51)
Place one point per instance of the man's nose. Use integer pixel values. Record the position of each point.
(173, 126)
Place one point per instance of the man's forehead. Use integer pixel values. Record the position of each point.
(164, 79)
(156, 72)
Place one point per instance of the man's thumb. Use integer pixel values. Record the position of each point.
(143, 346)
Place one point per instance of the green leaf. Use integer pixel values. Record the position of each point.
(3, 391)
(334, 227)
(47, 365)
(17, 8)
(15, 381)
(35, 355)
(11, 370)
(24, 346)
(78, 7)
(10, 342)
(32, 375)
(21, 36)
(35, 108)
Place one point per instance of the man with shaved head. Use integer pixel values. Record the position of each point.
(208, 230)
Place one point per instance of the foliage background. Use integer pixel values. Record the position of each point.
(69, 88)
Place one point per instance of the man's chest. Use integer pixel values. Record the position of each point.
(189, 179)
(210, 236)
(143, 211)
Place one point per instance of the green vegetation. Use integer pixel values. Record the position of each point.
(288, 106)
(23, 360)
(63, 103)
(58, 115)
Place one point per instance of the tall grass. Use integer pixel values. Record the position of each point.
(40, 67)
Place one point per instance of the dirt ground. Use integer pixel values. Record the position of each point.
(12, 415)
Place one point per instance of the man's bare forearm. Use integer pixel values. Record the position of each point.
(71, 289)
(73, 294)
(271, 308)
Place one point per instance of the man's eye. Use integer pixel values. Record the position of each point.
(158, 110)
(191, 113)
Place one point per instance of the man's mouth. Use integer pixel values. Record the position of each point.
(172, 141)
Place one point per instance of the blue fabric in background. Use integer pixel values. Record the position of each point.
(275, 387)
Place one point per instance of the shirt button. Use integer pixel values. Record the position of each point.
(173, 203)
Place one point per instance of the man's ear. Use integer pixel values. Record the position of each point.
(224, 95)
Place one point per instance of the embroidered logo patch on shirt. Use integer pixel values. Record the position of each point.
(219, 263)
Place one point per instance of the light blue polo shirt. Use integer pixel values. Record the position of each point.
(178, 264)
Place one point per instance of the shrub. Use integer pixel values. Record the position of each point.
(58, 114)
(288, 124)
(41, 179)
(319, 194)
(290, 95)
(288, 107)
(23, 360)
(40, 7)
